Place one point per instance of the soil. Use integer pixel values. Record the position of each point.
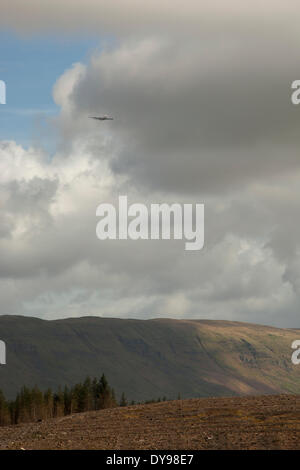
(264, 422)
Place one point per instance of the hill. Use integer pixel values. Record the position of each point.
(268, 422)
(149, 358)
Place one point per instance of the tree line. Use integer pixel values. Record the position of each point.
(31, 404)
(35, 405)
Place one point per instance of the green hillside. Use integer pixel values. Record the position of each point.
(149, 358)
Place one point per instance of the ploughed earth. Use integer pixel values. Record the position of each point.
(262, 422)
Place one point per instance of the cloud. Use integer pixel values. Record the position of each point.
(52, 264)
(136, 17)
(202, 113)
(202, 116)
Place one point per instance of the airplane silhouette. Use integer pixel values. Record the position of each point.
(101, 118)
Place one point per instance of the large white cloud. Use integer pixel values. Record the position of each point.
(52, 265)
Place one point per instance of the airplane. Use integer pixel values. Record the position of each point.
(102, 118)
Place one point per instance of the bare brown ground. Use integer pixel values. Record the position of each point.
(266, 422)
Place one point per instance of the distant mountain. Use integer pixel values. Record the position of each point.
(149, 358)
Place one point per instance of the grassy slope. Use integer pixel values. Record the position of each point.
(150, 358)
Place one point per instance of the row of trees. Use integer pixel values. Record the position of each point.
(34, 405)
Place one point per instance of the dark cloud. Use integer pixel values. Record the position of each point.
(199, 116)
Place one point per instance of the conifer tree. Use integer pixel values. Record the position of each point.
(123, 401)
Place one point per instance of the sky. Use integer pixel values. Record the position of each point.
(30, 66)
(201, 100)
